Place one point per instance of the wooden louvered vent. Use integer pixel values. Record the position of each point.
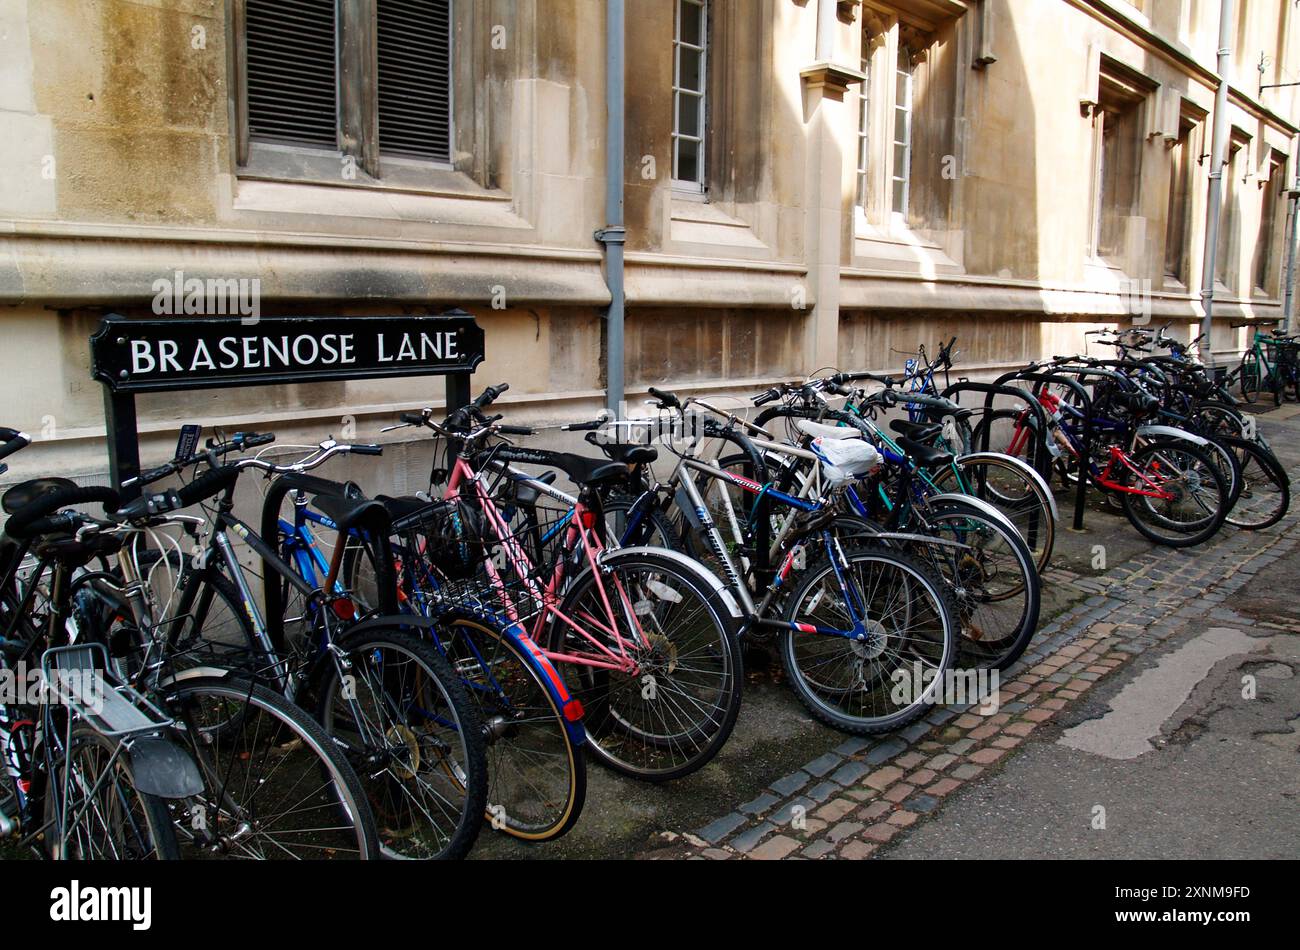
(292, 71)
(414, 78)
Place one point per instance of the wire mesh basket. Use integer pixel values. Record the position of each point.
(444, 558)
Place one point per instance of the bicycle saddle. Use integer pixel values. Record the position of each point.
(924, 455)
(583, 471)
(627, 454)
(919, 431)
(403, 507)
(349, 508)
(819, 431)
(24, 493)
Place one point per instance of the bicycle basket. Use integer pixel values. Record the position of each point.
(450, 534)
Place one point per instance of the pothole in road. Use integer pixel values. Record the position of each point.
(1139, 711)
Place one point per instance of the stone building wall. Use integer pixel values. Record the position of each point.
(122, 162)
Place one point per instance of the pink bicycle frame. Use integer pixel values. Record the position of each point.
(546, 597)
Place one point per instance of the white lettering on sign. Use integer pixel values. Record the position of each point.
(248, 352)
(438, 346)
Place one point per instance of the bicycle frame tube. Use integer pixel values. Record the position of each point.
(546, 597)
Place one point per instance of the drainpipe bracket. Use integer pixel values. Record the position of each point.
(611, 235)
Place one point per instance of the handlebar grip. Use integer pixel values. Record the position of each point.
(872, 378)
(25, 523)
(366, 449)
(13, 441)
(255, 439)
(667, 398)
(207, 485)
(591, 426)
(491, 395)
(54, 524)
(412, 418)
(152, 475)
(762, 399)
(516, 430)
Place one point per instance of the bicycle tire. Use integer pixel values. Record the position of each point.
(1259, 466)
(507, 685)
(1206, 528)
(161, 843)
(1031, 514)
(393, 776)
(341, 791)
(620, 716)
(942, 624)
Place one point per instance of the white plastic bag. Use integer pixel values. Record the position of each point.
(845, 461)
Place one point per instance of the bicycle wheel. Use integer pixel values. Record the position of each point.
(892, 673)
(1177, 496)
(993, 582)
(537, 776)
(107, 818)
(1014, 432)
(212, 624)
(1225, 461)
(1215, 419)
(1250, 374)
(669, 708)
(652, 526)
(404, 720)
(1014, 493)
(1266, 489)
(276, 786)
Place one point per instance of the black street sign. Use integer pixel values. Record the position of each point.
(178, 353)
(168, 354)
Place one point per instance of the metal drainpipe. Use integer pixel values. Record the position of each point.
(613, 234)
(1218, 155)
(826, 12)
(1288, 299)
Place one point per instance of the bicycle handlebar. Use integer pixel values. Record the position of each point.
(13, 441)
(37, 517)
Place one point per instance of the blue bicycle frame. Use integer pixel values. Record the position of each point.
(299, 544)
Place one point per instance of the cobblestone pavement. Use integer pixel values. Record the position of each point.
(866, 793)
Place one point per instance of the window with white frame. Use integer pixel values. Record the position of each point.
(864, 124)
(690, 100)
(901, 169)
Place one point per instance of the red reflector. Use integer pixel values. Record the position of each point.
(588, 518)
(344, 609)
(573, 710)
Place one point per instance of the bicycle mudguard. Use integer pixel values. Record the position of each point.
(710, 580)
(1021, 464)
(983, 506)
(195, 673)
(162, 768)
(917, 538)
(1171, 432)
(528, 649)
